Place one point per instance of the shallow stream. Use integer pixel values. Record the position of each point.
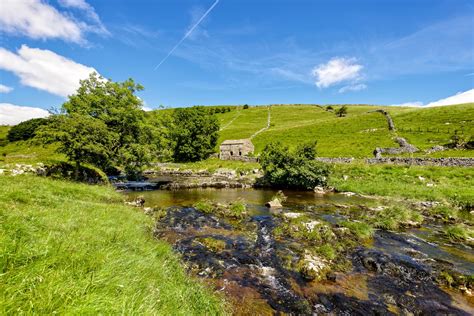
(392, 273)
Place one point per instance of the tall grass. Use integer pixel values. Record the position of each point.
(76, 249)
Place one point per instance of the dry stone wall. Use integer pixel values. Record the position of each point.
(444, 162)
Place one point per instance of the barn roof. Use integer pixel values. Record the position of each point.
(236, 141)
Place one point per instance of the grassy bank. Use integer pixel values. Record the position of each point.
(451, 184)
(76, 249)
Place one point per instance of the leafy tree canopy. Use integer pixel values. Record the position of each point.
(114, 103)
(194, 134)
(83, 139)
(25, 130)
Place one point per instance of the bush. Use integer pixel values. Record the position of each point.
(342, 111)
(246, 106)
(293, 169)
(25, 130)
(462, 141)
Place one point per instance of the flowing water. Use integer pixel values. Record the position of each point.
(390, 274)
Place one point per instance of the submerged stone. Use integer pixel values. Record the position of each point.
(275, 203)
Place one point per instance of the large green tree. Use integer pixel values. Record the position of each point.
(83, 139)
(194, 134)
(115, 107)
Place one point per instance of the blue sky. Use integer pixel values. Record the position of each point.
(243, 51)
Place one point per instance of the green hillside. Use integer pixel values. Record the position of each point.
(3, 134)
(441, 122)
(355, 135)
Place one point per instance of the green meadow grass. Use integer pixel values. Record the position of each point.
(28, 152)
(450, 184)
(76, 249)
(355, 135)
(441, 122)
(250, 121)
(4, 131)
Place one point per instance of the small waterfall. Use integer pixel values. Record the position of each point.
(273, 276)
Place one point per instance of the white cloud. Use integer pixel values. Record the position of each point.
(11, 114)
(79, 4)
(82, 5)
(460, 97)
(409, 104)
(337, 70)
(44, 70)
(5, 89)
(38, 20)
(353, 87)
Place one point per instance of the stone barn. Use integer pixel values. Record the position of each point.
(238, 149)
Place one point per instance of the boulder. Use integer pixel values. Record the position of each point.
(311, 266)
(138, 202)
(292, 215)
(311, 225)
(319, 190)
(349, 193)
(226, 173)
(275, 203)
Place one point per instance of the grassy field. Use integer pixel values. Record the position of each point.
(76, 249)
(245, 125)
(355, 135)
(25, 152)
(441, 122)
(452, 185)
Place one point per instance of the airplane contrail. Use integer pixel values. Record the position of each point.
(187, 34)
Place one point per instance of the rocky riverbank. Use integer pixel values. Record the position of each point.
(187, 179)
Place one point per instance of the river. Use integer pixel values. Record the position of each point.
(255, 266)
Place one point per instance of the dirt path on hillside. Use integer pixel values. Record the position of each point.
(231, 121)
(269, 118)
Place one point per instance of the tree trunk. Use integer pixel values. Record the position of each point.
(76, 170)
